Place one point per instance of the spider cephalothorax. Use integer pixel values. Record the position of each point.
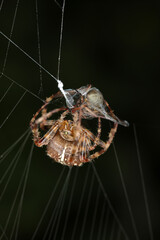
(68, 141)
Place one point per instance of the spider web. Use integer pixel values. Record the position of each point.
(108, 198)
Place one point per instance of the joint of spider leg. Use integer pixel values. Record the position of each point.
(49, 99)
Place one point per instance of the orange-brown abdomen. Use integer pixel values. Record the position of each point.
(70, 153)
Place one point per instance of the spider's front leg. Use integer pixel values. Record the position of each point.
(105, 145)
(45, 115)
(48, 100)
(114, 117)
(39, 142)
(34, 124)
(42, 121)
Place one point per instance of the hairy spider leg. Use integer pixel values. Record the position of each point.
(48, 100)
(46, 115)
(45, 122)
(92, 114)
(34, 123)
(122, 122)
(77, 140)
(48, 136)
(81, 143)
(96, 139)
(84, 143)
(106, 144)
(84, 147)
(51, 132)
(43, 119)
(111, 111)
(95, 142)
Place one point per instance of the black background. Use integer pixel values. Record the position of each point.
(115, 46)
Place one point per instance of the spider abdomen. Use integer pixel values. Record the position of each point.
(70, 153)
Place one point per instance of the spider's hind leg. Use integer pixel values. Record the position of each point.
(105, 145)
(97, 138)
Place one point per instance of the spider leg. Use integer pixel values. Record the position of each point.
(34, 125)
(92, 137)
(106, 144)
(76, 148)
(42, 120)
(121, 122)
(102, 113)
(45, 115)
(46, 124)
(39, 142)
(77, 123)
(111, 111)
(84, 148)
(91, 113)
(76, 144)
(99, 142)
(50, 134)
(44, 105)
(96, 140)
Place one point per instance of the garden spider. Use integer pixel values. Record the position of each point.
(68, 142)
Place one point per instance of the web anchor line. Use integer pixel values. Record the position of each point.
(143, 184)
(67, 96)
(109, 203)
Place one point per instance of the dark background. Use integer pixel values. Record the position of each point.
(115, 46)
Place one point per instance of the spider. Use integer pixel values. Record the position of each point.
(68, 141)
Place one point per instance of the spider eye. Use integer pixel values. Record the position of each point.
(67, 135)
(95, 97)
